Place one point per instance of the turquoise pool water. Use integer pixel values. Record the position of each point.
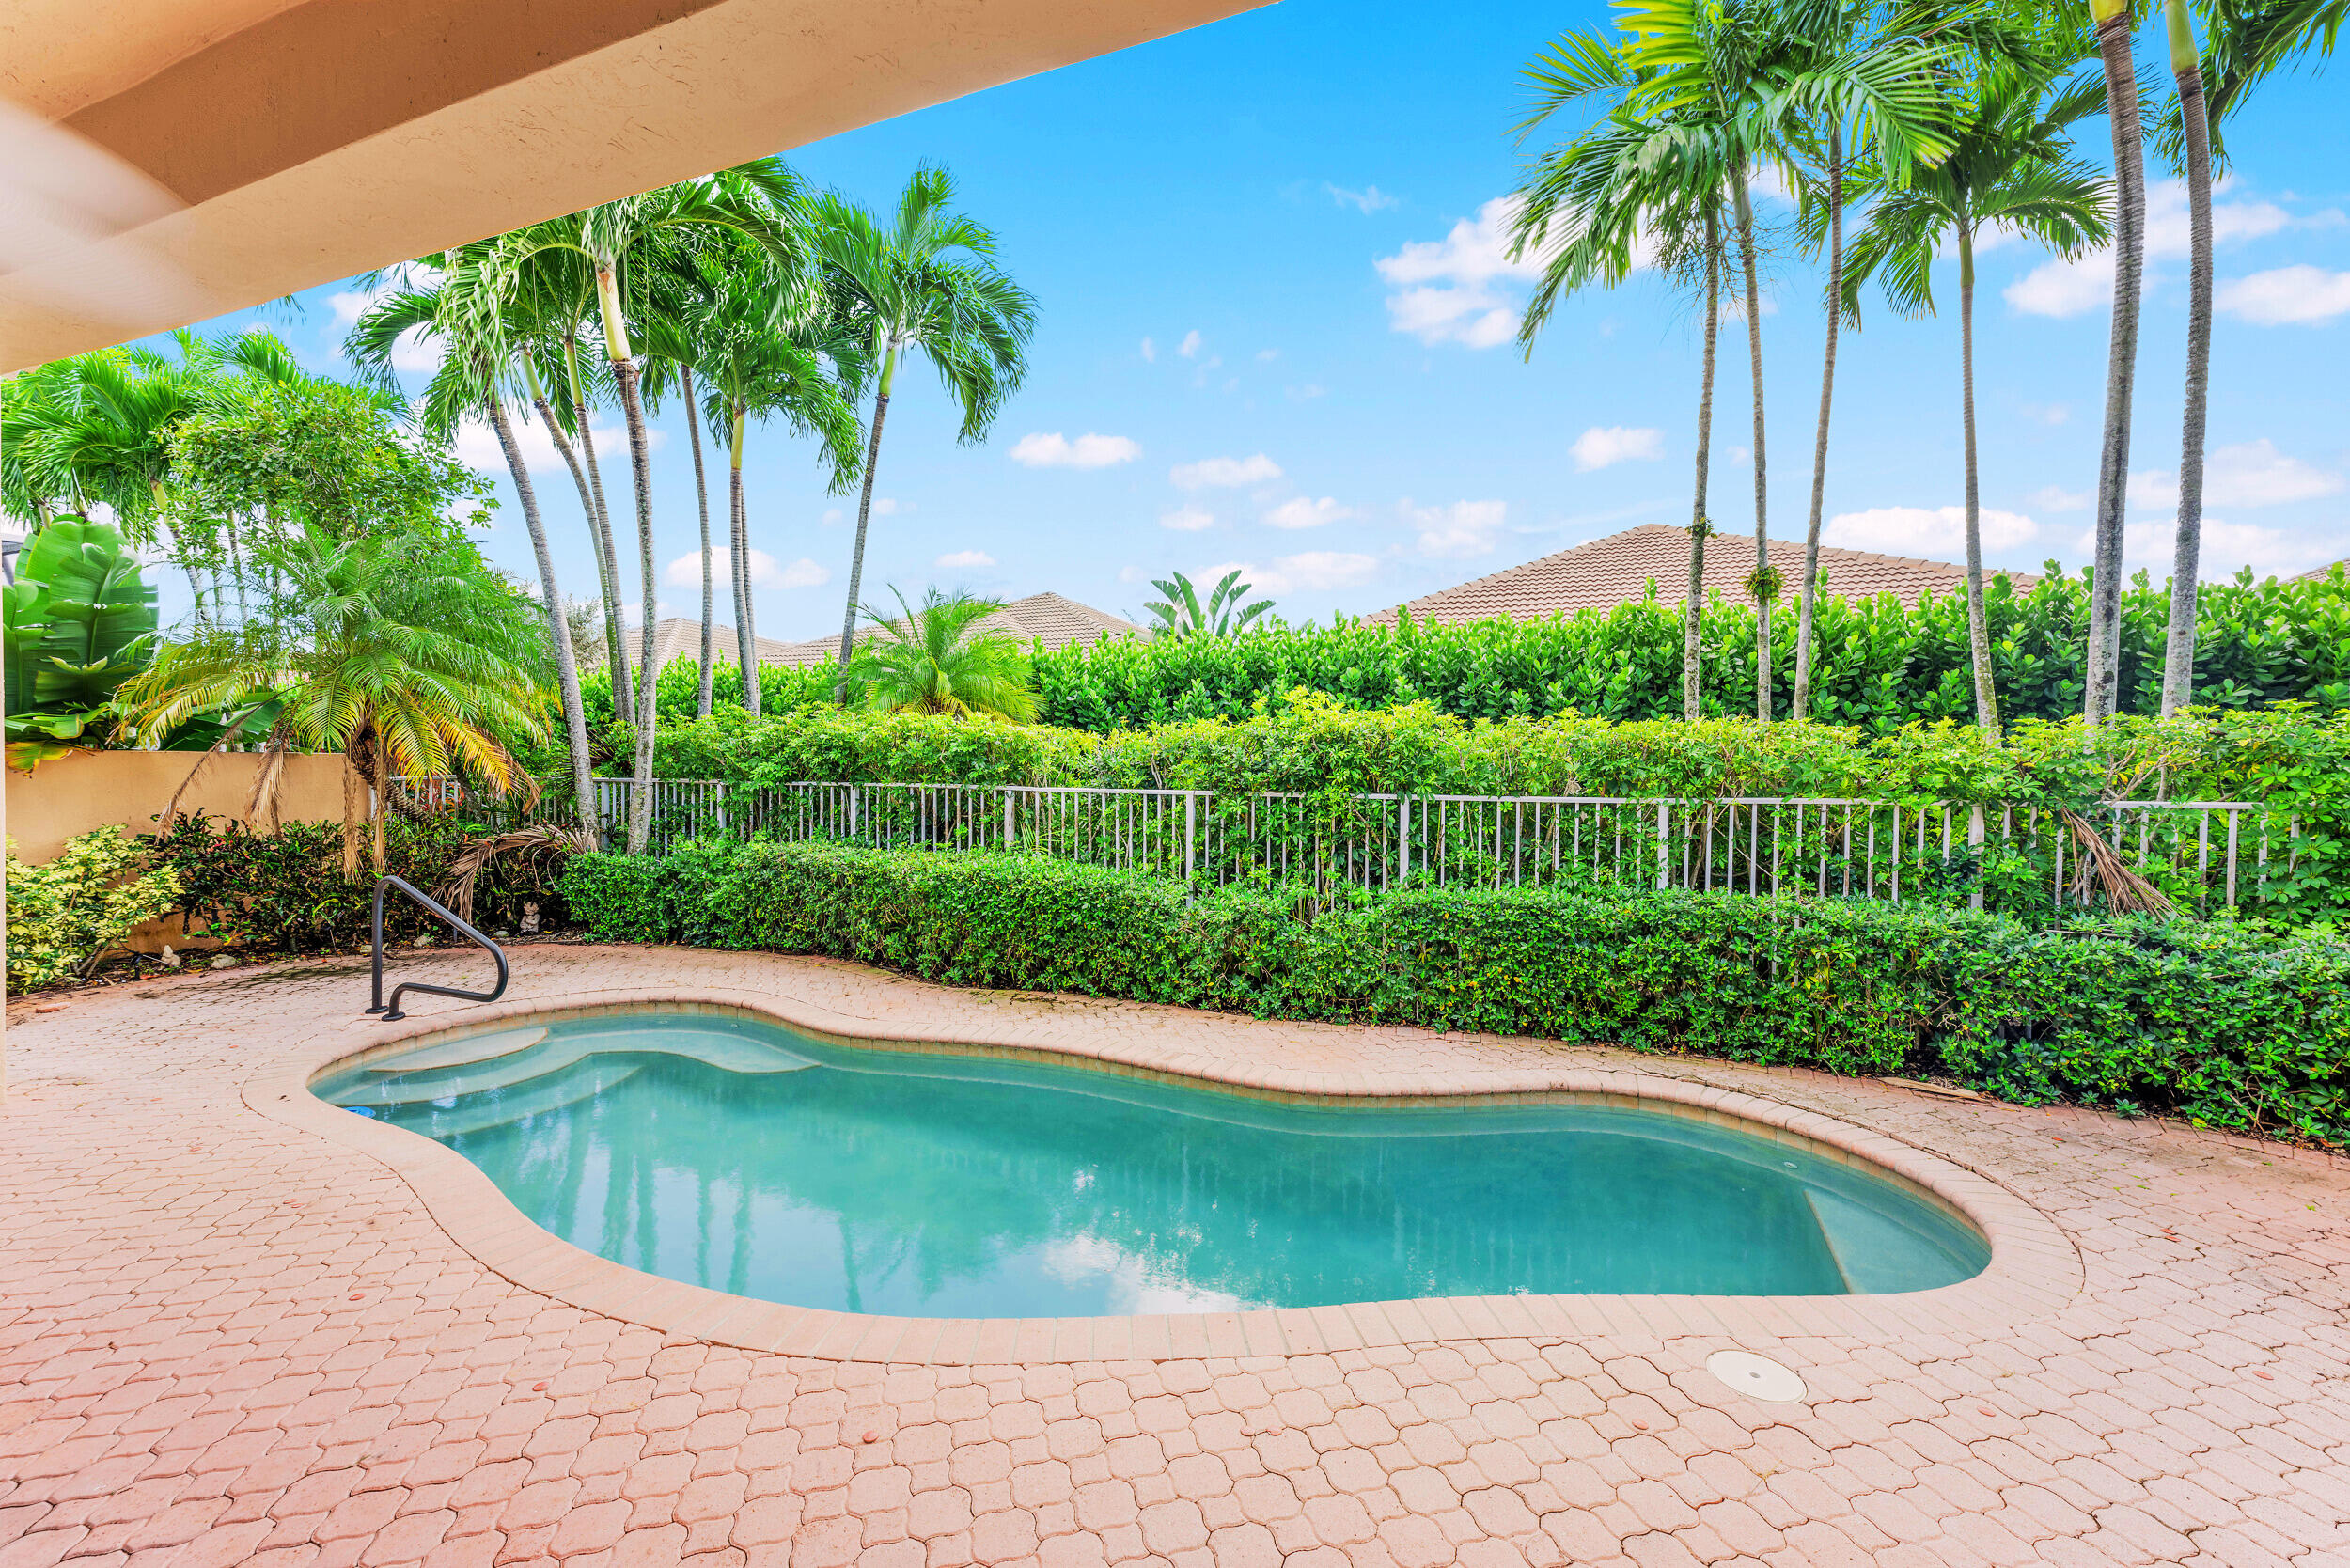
(748, 1159)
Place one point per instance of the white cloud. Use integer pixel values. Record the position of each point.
(889, 506)
(1223, 473)
(1189, 347)
(1266, 356)
(1187, 520)
(2249, 474)
(2047, 414)
(1306, 393)
(1461, 528)
(2057, 498)
(1314, 569)
(1460, 289)
(686, 571)
(1149, 351)
(1305, 512)
(2226, 548)
(1370, 198)
(1936, 533)
(1598, 446)
(965, 561)
(1057, 450)
(2286, 296)
(833, 515)
(2063, 288)
(2070, 287)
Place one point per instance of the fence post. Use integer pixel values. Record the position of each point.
(852, 794)
(1974, 847)
(1007, 816)
(1191, 833)
(722, 808)
(1663, 844)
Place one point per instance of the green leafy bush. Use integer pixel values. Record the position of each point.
(66, 914)
(2203, 1021)
(1879, 664)
(285, 891)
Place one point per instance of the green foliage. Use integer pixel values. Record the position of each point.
(2208, 1022)
(1878, 664)
(938, 659)
(66, 915)
(80, 620)
(285, 891)
(1182, 614)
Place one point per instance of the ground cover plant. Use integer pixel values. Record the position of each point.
(2212, 1022)
(66, 915)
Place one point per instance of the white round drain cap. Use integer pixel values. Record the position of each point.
(1756, 1376)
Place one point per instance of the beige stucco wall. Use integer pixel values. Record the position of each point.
(73, 794)
(61, 799)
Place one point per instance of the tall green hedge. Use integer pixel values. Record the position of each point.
(2208, 1022)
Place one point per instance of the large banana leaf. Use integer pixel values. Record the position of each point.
(80, 621)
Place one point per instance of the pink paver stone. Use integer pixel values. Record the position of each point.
(242, 1327)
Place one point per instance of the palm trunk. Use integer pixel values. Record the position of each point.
(1692, 701)
(739, 533)
(863, 517)
(588, 509)
(1978, 624)
(383, 793)
(701, 495)
(2178, 654)
(1809, 589)
(625, 373)
(559, 625)
(607, 564)
(2101, 699)
(1762, 482)
(353, 790)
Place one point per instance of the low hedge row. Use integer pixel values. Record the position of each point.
(2204, 1021)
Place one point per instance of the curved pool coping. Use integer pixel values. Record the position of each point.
(2033, 1269)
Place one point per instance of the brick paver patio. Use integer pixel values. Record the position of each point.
(225, 1339)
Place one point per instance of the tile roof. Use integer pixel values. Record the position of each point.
(678, 635)
(1615, 570)
(2319, 575)
(1050, 619)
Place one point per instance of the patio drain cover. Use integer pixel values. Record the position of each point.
(1756, 1376)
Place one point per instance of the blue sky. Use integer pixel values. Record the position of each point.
(1273, 315)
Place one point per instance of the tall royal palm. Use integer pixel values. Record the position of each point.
(2104, 686)
(2178, 650)
(1719, 58)
(2010, 170)
(1853, 81)
(1590, 207)
(759, 200)
(926, 282)
(448, 299)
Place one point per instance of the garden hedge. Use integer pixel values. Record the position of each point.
(2206, 1021)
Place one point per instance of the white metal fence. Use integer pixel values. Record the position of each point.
(2201, 854)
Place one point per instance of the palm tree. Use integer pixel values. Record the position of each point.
(2008, 168)
(478, 366)
(1181, 614)
(402, 648)
(2103, 694)
(934, 660)
(1858, 83)
(762, 201)
(2178, 652)
(1587, 209)
(770, 344)
(966, 316)
(1720, 59)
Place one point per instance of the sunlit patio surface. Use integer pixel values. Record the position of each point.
(230, 1332)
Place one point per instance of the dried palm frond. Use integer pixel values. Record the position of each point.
(2099, 867)
(543, 839)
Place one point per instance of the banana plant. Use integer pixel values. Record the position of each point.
(1182, 614)
(80, 620)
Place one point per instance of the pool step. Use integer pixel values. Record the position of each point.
(417, 1085)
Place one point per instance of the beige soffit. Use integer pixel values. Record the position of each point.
(219, 153)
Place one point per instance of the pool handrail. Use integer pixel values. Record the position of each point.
(462, 927)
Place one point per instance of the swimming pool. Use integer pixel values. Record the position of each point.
(751, 1158)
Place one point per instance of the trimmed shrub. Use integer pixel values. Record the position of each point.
(2209, 1022)
(67, 914)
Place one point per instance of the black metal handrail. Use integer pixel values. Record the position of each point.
(462, 927)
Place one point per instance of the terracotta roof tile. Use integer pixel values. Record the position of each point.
(1615, 570)
(1052, 618)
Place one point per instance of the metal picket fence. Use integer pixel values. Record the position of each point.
(2203, 854)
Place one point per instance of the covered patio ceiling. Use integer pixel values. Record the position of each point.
(165, 161)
